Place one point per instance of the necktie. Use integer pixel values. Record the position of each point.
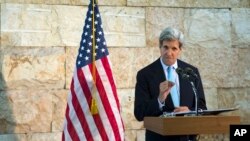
(173, 92)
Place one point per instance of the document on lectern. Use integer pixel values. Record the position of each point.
(216, 112)
(200, 112)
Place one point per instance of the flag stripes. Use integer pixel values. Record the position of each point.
(93, 82)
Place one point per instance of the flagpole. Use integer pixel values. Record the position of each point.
(94, 107)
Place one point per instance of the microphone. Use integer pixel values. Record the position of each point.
(191, 72)
(179, 71)
(182, 73)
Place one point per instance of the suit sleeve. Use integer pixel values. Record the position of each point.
(146, 97)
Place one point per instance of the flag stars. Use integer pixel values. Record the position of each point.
(79, 62)
(103, 50)
(88, 50)
(90, 44)
(93, 43)
(98, 39)
(86, 58)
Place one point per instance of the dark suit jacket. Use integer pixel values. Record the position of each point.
(147, 91)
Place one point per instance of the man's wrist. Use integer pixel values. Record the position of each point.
(161, 101)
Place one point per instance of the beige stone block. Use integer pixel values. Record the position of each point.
(24, 68)
(13, 137)
(71, 55)
(126, 65)
(207, 28)
(158, 19)
(219, 67)
(41, 25)
(140, 135)
(66, 2)
(130, 135)
(241, 27)
(126, 98)
(142, 58)
(124, 26)
(23, 111)
(181, 3)
(241, 3)
(55, 136)
(244, 67)
(122, 66)
(236, 97)
(27, 25)
(135, 135)
(70, 21)
(191, 55)
(211, 98)
(59, 101)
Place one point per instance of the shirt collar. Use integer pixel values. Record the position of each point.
(175, 65)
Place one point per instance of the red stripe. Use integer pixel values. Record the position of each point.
(70, 127)
(63, 138)
(108, 70)
(100, 127)
(80, 114)
(107, 107)
(87, 94)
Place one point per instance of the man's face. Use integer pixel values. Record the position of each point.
(170, 51)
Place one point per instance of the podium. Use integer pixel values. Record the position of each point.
(190, 125)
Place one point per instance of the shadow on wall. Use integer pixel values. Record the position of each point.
(7, 120)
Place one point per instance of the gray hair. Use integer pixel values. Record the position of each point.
(170, 34)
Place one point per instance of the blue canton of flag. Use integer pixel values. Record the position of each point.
(85, 51)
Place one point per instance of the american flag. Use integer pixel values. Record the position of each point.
(93, 109)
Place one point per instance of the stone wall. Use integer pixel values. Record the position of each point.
(40, 39)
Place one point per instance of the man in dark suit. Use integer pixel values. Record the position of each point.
(153, 94)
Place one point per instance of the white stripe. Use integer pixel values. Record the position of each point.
(84, 104)
(110, 95)
(103, 114)
(74, 119)
(66, 133)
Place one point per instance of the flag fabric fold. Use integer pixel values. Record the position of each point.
(93, 108)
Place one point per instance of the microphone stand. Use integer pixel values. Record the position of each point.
(196, 97)
(184, 74)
